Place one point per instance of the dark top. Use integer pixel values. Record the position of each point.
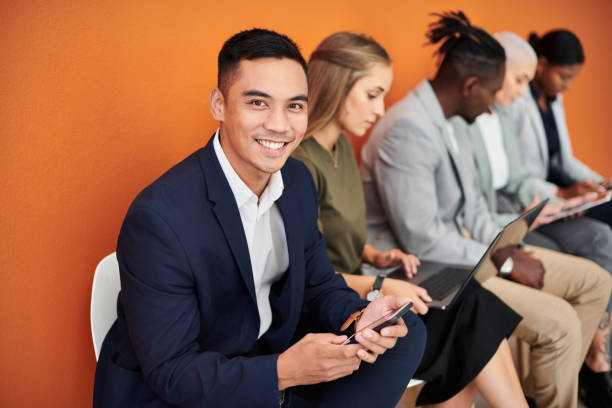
(187, 324)
(556, 174)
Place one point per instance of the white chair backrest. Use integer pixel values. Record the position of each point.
(104, 292)
(414, 382)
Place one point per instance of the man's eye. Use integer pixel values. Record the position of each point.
(296, 106)
(372, 96)
(257, 102)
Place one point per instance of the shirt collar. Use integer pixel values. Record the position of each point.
(242, 193)
(536, 94)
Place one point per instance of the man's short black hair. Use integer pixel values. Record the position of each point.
(253, 44)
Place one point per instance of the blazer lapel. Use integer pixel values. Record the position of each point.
(535, 121)
(515, 165)
(432, 106)
(226, 211)
(481, 158)
(295, 246)
(452, 155)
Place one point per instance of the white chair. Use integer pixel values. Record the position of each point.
(104, 292)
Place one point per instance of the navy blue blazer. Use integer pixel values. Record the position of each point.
(187, 325)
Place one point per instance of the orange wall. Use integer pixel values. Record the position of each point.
(97, 98)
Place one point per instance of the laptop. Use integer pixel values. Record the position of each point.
(445, 282)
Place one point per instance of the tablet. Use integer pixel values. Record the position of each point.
(582, 207)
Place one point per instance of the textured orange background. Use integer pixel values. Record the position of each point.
(98, 98)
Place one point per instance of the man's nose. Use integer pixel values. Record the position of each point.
(277, 121)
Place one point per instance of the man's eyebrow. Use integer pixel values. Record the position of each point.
(256, 93)
(261, 94)
(302, 98)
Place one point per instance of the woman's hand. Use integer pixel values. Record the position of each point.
(397, 257)
(401, 288)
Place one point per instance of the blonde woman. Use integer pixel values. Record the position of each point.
(466, 349)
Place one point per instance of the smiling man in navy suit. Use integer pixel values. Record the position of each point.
(223, 269)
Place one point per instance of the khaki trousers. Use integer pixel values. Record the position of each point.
(558, 323)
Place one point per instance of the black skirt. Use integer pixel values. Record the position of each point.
(461, 340)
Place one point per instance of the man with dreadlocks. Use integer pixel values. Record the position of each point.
(419, 183)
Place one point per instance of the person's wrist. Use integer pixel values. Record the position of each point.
(376, 289)
(388, 286)
(373, 258)
(283, 372)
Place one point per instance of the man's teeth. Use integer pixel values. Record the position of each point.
(271, 145)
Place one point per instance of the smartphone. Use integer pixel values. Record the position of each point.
(387, 320)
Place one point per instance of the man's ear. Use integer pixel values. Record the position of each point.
(468, 85)
(217, 104)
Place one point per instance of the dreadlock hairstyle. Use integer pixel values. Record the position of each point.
(467, 48)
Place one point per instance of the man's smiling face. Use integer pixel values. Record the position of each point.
(263, 115)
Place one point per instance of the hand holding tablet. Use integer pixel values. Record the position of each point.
(601, 199)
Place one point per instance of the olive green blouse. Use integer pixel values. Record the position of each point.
(342, 214)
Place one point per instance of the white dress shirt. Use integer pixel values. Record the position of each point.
(264, 231)
(491, 131)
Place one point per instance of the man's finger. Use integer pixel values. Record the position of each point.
(338, 339)
(374, 344)
(367, 357)
(397, 330)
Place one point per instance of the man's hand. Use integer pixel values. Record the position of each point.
(400, 288)
(579, 188)
(396, 257)
(606, 183)
(377, 343)
(527, 270)
(316, 358)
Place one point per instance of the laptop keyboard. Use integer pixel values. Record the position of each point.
(440, 284)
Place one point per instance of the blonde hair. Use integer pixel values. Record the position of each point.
(334, 67)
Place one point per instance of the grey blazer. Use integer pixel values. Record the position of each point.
(520, 181)
(534, 146)
(419, 192)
